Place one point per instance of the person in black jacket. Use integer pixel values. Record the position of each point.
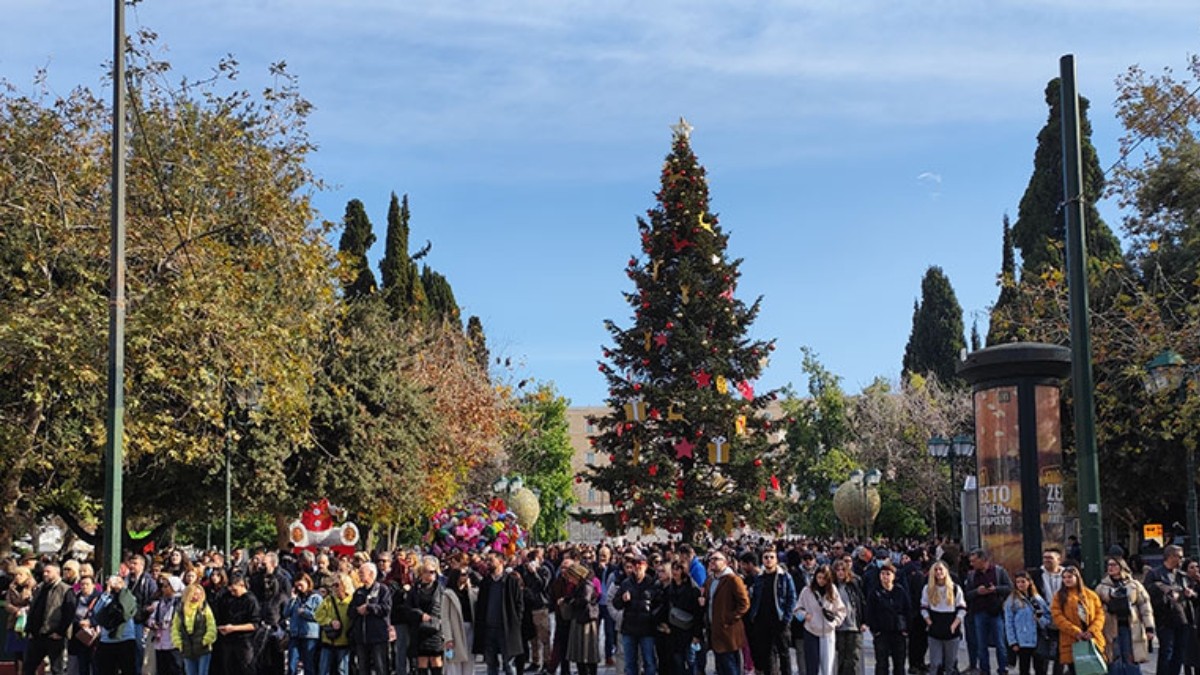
(424, 604)
(50, 615)
(888, 613)
(272, 588)
(1169, 597)
(913, 574)
(370, 610)
(237, 619)
(498, 610)
(640, 598)
(684, 619)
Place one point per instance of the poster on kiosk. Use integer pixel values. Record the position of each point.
(1001, 499)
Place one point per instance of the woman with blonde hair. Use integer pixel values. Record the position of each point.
(194, 630)
(1129, 617)
(944, 608)
(1078, 615)
(333, 615)
(424, 603)
(17, 600)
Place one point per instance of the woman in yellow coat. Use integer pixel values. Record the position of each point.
(1078, 615)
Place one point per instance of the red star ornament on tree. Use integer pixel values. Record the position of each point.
(660, 340)
(684, 449)
(702, 378)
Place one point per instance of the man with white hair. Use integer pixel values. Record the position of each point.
(370, 610)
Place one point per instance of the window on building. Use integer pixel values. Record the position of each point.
(590, 458)
(591, 495)
(589, 428)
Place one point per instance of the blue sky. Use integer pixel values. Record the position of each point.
(850, 144)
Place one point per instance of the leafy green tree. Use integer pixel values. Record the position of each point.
(817, 437)
(688, 443)
(356, 241)
(373, 426)
(540, 451)
(401, 282)
(229, 285)
(936, 340)
(1039, 232)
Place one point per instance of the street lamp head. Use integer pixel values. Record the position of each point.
(1165, 372)
(963, 445)
(873, 477)
(856, 476)
(500, 485)
(938, 447)
(516, 484)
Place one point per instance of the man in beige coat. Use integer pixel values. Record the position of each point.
(725, 601)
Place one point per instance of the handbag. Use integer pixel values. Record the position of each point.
(681, 619)
(22, 620)
(1047, 644)
(1088, 659)
(87, 636)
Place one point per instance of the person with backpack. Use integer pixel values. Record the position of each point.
(1129, 618)
(194, 631)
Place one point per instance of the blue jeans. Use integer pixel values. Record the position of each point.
(335, 660)
(400, 649)
(1123, 652)
(633, 645)
(728, 663)
(1172, 648)
(302, 651)
(989, 631)
(198, 665)
(609, 627)
(493, 651)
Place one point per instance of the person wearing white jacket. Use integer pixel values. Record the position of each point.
(821, 609)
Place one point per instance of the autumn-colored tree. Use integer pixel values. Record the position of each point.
(229, 285)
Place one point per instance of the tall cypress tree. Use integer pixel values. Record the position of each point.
(687, 442)
(441, 304)
(402, 285)
(477, 341)
(937, 333)
(1003, 325)
(1040, 230)
(356, 240)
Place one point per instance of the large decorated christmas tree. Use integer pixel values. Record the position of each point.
(688, 442)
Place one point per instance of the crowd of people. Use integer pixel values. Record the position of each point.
(784, 607)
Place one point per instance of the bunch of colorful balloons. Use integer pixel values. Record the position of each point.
(472, 526)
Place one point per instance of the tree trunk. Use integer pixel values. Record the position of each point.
(10, 486)
(282, 536)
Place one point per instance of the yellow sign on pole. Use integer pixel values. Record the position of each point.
(1153, 532)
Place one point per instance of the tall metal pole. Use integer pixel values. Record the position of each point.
(114, 446)
(954, 493)
(228, 502)
(1081, 339)
(1192, 523)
